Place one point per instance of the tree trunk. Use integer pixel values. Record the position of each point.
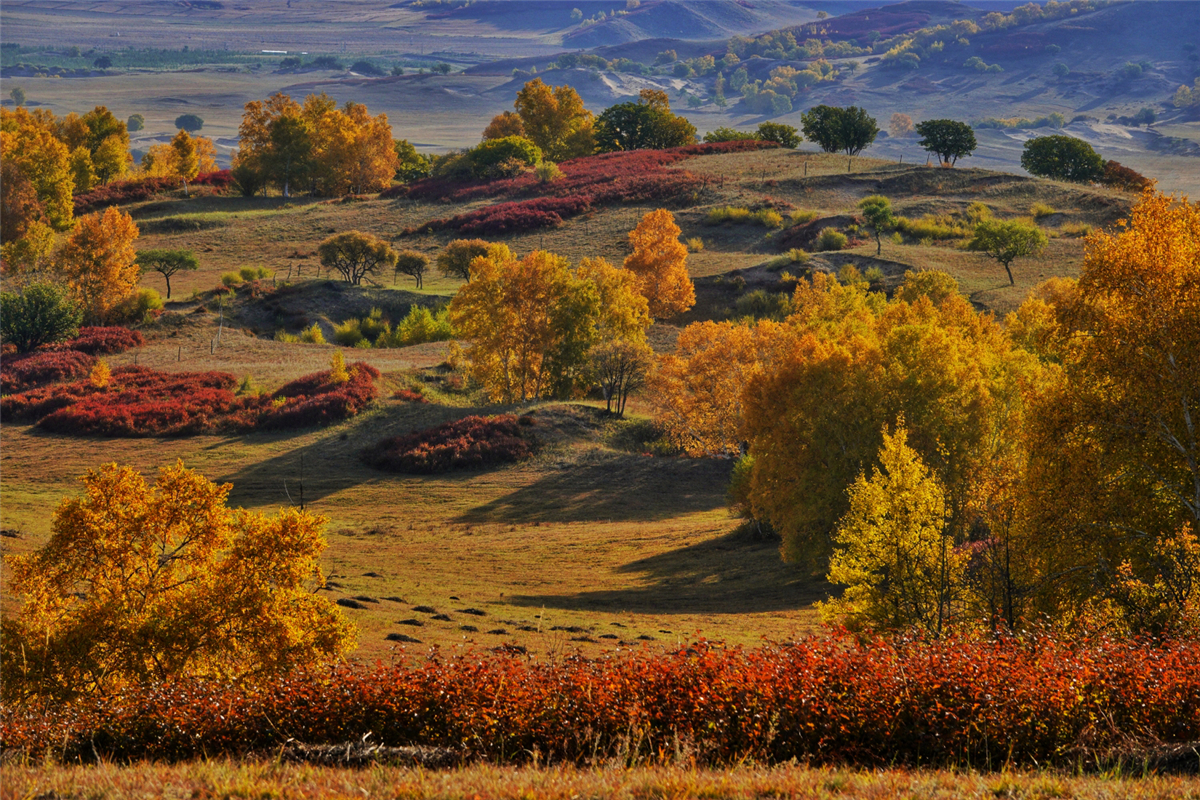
(1011, 282)
(168, 277)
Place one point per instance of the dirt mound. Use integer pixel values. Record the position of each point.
(293, 308)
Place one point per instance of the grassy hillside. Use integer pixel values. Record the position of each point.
(592, 544)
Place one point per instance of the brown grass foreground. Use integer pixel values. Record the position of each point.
(270, 779)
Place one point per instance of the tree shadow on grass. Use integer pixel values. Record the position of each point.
(611, 486)
(726, 575)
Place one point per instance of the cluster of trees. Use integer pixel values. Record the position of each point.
(554, 120)
(537, 328)
(314, 145)
(955, 472)
(850, 129)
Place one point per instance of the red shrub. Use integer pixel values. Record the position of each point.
(24, 372)
(221, 179)
(1119, 176)
(140, 401)
(409, 396)
(465, 443)
(105, 341)
(315, 400)
(637, 176)
(1032, 702)
(120, 192)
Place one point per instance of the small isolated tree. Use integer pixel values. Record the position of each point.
(412, 264)
(142, 583)
(135, 122)
(1063, 158)
(98, 261)
(355, 255)
(184, 159)
(103, 62)
(167, 263)
(1061, 70)
(189, 122)
(894, 553)
(877, 212)
(18, 96)
(948, 139)
(41, 313)
(785, 135)
(659, 260)
(620, 367)
(1008, 240)
(901, 125)
(455, 260)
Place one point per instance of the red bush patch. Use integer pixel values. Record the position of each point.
(24, 372)
(462, 444)
(637, 176)
(409, 396)
(140, 401)
(104, 341)
(122, 192)
(984, 703)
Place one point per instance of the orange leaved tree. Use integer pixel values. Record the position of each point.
(659, 260)
(144, 582)
(98, 261)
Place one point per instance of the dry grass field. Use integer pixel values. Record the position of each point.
(227, 779)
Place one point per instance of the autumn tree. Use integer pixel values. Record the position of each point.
(40, 313)
(146, 583)
(108, 142)
(505, 124)
(1008, 240)
(19, 204)
(414, 264)
(659, 260)
(948, 139)
(877, 213)
(167, 263)
(696, 391)
(621, 367)
(288, 157)
(185, 161)
(411, 165)
(1116, 480)
(530, 323)
(900, 125)
(455, 259)
(851, 362)
(98, 261)
(893, 550)
(32, 147)
(355, 255)
(555, 120)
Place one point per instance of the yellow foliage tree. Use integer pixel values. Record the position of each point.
(185, 162)
(696, 392)
(555, 120)
(531, 324)
(29, 143)
(142, 583)
(894, 550)
(1119, 435)
(659, 260)
(98, 261)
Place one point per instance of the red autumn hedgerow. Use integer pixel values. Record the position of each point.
(1035, 701)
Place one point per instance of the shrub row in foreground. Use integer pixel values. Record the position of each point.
(462, 444)
(139, 401)
(985, 704)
